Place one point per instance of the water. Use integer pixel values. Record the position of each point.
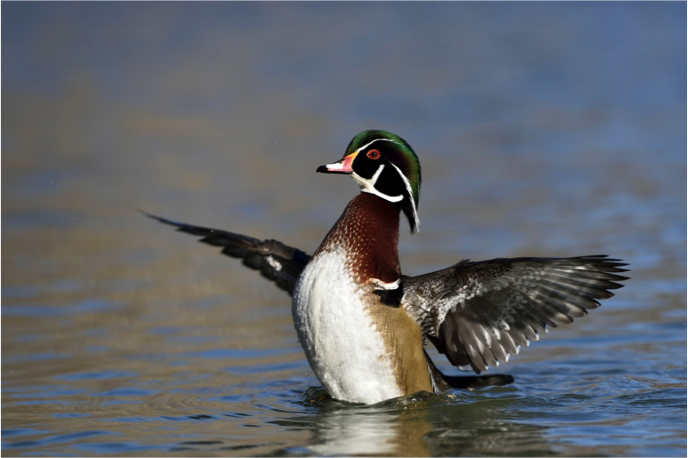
(542, 129)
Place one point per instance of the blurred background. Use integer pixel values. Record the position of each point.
(543, 129)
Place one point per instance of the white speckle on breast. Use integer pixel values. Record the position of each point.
(344, 349)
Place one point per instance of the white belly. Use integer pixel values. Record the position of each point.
(343, 347)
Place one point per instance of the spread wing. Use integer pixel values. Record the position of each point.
(480, 313)
(276, 261)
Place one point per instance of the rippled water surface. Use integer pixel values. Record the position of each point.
(544, 129)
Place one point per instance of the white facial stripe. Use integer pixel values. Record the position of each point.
(368, 185)
(413, 201)
(377, 174)
(362, 148)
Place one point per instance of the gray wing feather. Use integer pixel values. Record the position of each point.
(276, 261)
(480, 313)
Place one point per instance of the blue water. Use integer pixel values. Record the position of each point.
(543, 129)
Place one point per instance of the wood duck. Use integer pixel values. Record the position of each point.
(363, 325)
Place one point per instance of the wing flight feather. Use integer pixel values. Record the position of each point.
(480, 313)
(276, 261)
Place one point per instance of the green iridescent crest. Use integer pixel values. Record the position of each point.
(401, 180)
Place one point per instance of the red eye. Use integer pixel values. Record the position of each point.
(373, 154)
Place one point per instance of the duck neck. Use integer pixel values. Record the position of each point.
(368, 232)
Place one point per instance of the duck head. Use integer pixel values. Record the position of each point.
(383, 164)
